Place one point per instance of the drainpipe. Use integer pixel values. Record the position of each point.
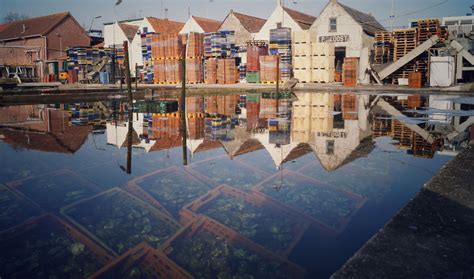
(45, 56)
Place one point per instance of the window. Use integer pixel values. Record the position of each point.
(332, 25)
(330, 147)
(466, 22)
(451, 23)
(279, 25)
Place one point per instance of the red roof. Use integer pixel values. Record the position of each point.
(3, 26)
(165, 26)
(129, 30)
(304, 20)
(38, 26)
(208, 25)
(250, 23)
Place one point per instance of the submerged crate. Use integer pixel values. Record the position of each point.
(119, 221)
(47, 247)
(168, 189)
(222, 170)
(141, 262)
(267, 223)
(14, 209)
(313, 199)
(55, 190)
(205, 248)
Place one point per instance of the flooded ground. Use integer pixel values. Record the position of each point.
(241, 186)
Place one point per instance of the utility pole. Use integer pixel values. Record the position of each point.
(130, 107)
(392, 16)
(183, 106)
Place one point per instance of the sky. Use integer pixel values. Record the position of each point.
(85, 10)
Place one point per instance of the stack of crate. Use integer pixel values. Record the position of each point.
(268, 69)
(210, 76)
(302, 53)
(220, 45)
(226, 71)
(166, 52)
(312, 61)
(383, 48)
(322, 62)
(255, 49)
(194, 58)
(280, 44)
(350, 71)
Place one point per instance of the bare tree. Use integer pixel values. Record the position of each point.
(11, 16)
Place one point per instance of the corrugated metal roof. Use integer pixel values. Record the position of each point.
(165, 26)
(208, 25)
(251, 23)
(38, 26)
(367, 21)
(304, 20)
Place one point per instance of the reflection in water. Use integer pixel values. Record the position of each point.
(261, 185)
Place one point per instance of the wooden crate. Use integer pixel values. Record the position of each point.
(302, 63)
(323, 62)
(304, 37)
(323, 49)
(304, 76)
(302, 50)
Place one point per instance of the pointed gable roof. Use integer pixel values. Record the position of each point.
(208, 25)
(165, 26)
(129, 30)
(38, 26)
(250, 23)
(304, 20)
(367, 21)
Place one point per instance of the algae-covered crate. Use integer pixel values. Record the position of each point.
(142, 262)
(328, 207)
(14, 209)
(255, 217)
(46, 247)
(222, 170)
(168, 189)
(119, 221)
(55, 190)
(207, 249)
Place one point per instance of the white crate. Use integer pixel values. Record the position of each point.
(303, 75)
(305, 36)
(325, 76)
(323, 62)
(302, 63)
(323, 49)
(301, 50)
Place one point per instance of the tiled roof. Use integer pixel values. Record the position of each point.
(32, 27)
(165, 26)
(129, 30)
(367, 21)
(208, 25)
(3, 26)
(304, 20)
(250, 23)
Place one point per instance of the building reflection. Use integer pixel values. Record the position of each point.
(337, 127)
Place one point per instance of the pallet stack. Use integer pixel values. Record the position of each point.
(323, 62)
(383, 48)
(280, 44)
(405, 40)
(219, 50)
(210, 74)
(268, 69)
(255, 49)
(220, 44)
(147, 70)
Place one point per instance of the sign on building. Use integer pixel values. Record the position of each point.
(334, 39)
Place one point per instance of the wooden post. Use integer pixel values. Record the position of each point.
(130, 107)
(183, 108)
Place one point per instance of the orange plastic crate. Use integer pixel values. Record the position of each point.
(150, 262)
(207, 225)
(191, 211)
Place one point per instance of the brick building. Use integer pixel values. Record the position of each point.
(37, 45)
